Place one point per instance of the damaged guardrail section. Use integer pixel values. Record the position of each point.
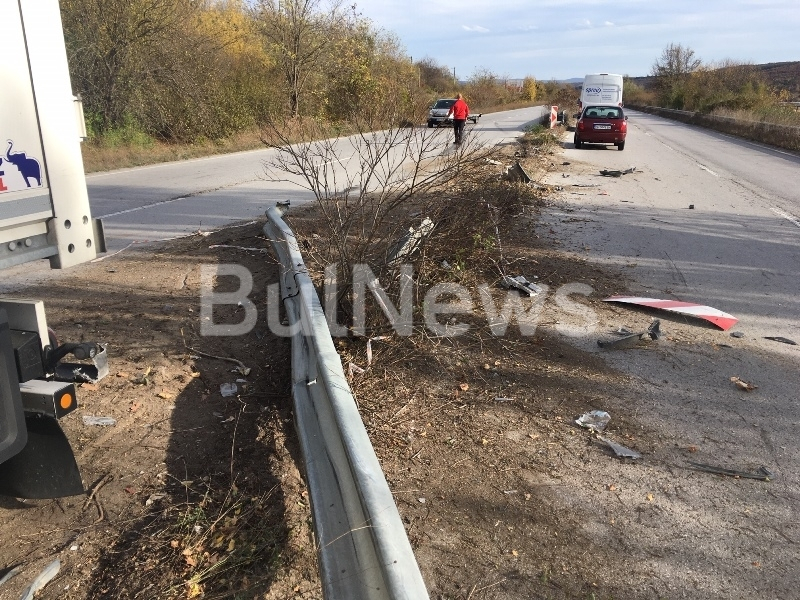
(364, 552)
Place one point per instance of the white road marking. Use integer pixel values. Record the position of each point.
(707, 169)
(791, 218)
(138, 208)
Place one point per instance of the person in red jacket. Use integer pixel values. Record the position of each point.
(460, 112)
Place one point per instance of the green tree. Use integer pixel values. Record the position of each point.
(671, 71)
(299, 33)
(529, 88)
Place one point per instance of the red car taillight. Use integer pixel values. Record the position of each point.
(624, 127)
(581, 125)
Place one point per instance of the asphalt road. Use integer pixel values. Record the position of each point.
(167, 200)
(737, 250)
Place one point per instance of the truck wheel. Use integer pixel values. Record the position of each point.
(430, 125)
(578, 143)
(621, 145)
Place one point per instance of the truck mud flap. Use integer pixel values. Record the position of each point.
(46, 466)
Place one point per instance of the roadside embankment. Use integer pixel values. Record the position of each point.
(773, 134)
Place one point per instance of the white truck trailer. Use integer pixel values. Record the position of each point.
(44, 214)
(601, 89)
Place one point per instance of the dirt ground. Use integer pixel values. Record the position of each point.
(196, 494)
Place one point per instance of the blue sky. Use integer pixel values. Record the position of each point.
(560, 39)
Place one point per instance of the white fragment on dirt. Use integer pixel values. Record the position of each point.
(228, 389)
(102, 421)
(42, 580)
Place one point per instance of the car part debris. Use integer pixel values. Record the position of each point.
(616, 173)
(737, 334)
(762, 473)
(522, 284)
(410, 242)
(743, 385)
(84, 372)
(691, 207)
(516, 173)
(596, 420)
(41, 580)
(102, 421)
(632, 340)
(9, 575)
(721, 319)
(782, 340)
(620, 450)
(623, 331)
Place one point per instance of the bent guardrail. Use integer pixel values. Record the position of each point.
(364, 552)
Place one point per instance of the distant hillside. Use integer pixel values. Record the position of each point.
(781, 76)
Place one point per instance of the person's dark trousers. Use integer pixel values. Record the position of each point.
(458, 129)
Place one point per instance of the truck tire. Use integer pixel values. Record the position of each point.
(578, 143)
(621, 145)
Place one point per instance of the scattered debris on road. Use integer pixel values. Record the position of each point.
(102, 421)
(516, 173)
(616, 173)
(595, 420)
(9, 575)
(620, 450)
(522, 284)
(632, 340)
(228, 389)
(737, 334)
(721, 319)
(762, 474)
(743, 385)
(42, 580)
(782, 340)
(410, 242)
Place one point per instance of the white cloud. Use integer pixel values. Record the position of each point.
(567, 38)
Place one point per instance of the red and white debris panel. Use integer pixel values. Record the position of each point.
(721, 319)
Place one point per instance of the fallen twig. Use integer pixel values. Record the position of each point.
(763, 474)
(245, 370)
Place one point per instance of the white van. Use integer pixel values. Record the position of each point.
(601, 88)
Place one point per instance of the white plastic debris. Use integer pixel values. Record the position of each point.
(42, 579)
(228, 389)
(103, 421)
(620, 450)
(522, 284)
(596, 420)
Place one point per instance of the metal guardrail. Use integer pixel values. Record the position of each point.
(364, 552)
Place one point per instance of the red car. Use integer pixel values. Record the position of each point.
(601, 125)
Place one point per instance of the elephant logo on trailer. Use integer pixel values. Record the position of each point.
(28, 167)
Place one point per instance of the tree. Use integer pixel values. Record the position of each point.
(299, 32)
(671, 70)
(434, 76)
(529, 88)
(112, 46)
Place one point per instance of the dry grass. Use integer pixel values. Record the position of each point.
(99, 157)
